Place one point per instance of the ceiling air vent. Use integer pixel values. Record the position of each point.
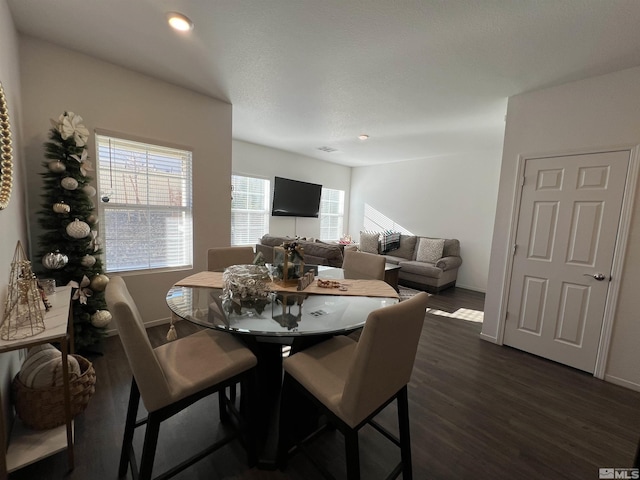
(327, 149)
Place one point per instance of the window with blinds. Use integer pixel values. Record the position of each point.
(249, 209)
(145, 195)
(331, 214)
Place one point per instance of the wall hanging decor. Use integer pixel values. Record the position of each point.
(6, 153)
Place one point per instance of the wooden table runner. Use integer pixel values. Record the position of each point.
(360, 288)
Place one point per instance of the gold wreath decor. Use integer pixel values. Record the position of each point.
(6, 153)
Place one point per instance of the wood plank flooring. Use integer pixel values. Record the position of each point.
(478, 411)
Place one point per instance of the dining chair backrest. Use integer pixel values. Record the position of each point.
(384, 357)
(145, 367)
(219, 258)
(362, 265)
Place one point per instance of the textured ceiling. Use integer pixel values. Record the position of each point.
(423, 78)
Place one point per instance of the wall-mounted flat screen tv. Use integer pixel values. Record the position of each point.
(292, 198)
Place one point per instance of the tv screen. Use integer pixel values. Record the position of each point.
(292, 198)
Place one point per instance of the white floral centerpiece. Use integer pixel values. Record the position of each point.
(245, 286)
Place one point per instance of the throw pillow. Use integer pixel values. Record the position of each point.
(369, 242)
(430, 250)
(389, 241)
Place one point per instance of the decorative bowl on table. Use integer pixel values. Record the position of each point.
(245, 286)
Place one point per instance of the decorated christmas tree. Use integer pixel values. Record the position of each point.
(70, 248)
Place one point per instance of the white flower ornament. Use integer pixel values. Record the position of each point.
(80, 158)
(85, 166)
(82, 292)
(69, 125)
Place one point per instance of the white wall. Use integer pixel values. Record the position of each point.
(448, 197)
(13, 226)
(55, 79)
(590, 114)
(260, 161)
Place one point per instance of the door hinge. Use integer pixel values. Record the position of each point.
(515, 247)
(522, 181)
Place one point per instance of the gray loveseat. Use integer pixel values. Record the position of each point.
(432, 268)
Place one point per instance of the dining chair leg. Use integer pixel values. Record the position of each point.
(405, 436)
(352, 451)
(222, 406)
(129, 428)
(149, 447)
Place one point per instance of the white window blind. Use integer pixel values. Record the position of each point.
(145, 196)
(249, 209)
(331, 214)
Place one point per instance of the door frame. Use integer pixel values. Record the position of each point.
(620, 248)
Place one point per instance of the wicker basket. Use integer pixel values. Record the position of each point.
(43, 408)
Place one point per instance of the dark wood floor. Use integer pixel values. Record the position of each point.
(477, 411)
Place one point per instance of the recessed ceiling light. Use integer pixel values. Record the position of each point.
(179, 21)
(363, 136)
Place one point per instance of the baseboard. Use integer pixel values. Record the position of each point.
(488, 338)
(469, 287)
(622, 382)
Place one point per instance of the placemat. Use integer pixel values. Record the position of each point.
(360, 288)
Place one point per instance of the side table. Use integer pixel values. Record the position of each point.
(391, 273)
(23, 446)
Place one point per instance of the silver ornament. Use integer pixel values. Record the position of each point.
(54, 260)
(101, 318)
(69, 183)
(89, 190)
(88, 261)
(56, 166)
(61, 207)
(78, 229)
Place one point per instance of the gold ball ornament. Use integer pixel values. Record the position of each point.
(93, 219)
(89, 190)
(99, 283)
(101, 318)
(78, 229)
(61, 207)
(69, 183)
(56, 166)
(88, 261)
(54, 260)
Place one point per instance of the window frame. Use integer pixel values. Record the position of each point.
(340, 228)
(265, 212)
(185, 208)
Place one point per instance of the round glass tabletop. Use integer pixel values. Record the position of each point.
(280, 315)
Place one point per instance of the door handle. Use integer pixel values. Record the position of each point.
(597, 276)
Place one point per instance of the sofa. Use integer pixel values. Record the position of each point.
(430, 264)
(315, 252)
(426, 263)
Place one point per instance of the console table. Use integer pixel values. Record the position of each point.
(24, 446)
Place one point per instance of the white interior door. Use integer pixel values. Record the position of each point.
(566, 234)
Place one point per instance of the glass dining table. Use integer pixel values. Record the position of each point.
(294, 319)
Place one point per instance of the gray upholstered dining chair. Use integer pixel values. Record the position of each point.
(223, 257)
(362, 265)
(219, 258)
(352, 381)
(171, 377)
